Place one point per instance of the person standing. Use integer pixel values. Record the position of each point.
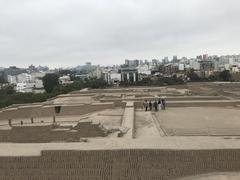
(163, 103)
(145, 105)
(155, 104)
(150, 105)
(159, 104)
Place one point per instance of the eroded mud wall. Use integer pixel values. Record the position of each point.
(119, 164)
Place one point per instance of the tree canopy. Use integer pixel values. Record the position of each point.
(50, 81)
(193, 76)
(225, 75)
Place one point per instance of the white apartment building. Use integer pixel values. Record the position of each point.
(64, 80)
(98, 72)
(112, 76)
(38, 75)
(12, 79)
(36, 86)
(181, 67)
(115, 77)
(144, 69)
(24, 87)
(24, 78)
(194, 64)
(27, 82)
(235, 69)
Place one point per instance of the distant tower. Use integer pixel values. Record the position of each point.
(205, 57)
(175, 59)
(155, 62)
(127, 62)
(165, 60)
(88, 63)
(199, 57)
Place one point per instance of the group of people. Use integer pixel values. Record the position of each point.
(156, 105)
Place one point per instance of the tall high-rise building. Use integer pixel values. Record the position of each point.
(199, 57)
(132, 63)
(175, 59)
(165, 60)
(205, 57)
(154, 61)
(127, 62)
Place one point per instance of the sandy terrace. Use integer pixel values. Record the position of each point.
(108, 117)
(200, 121)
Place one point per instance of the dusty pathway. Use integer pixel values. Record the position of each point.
(144, 124)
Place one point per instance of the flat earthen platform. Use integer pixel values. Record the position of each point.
(200, 121)
(196, 137)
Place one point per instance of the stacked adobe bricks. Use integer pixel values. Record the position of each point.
(119, 164)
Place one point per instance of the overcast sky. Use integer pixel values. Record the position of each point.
(63, 33)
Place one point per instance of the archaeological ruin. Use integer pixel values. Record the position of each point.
(107, 134)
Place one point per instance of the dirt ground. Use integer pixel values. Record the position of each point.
(215, 176)
(200, 121)
(231, 90)
(144, 124)
(108, 117)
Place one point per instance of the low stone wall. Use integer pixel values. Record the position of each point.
(119, 164)
(223, 103)
(181, 98)
(17, 112)
(84, 109)
(48, 111)
(117, 102)
(220, 103)
(45, 134)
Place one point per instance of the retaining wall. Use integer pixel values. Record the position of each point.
(212, 103)
(46, 111)
(119, 164)
(44, 134)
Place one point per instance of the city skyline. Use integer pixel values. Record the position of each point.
(68, 33)
(160, 60)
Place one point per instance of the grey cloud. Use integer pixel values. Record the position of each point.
(71, 32)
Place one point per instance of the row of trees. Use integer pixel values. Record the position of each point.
(52, 87)
(9, 96)
(51, 84)
(218, 76)
(2, 80)
(160, 81)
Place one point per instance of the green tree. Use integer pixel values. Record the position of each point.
(50, 81)
(161, 68)
(96, 83)
(65, 72)
(193, 76)
(225, 75)
(9, 90)
(214, 77)
(2, 79)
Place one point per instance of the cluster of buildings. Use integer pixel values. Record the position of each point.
(24, 80)
(203, 65)
(29, 80)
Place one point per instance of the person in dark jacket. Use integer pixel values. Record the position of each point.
(155, 105)
(150, 105)
(159, 104)
(163, 103)
(145, 105)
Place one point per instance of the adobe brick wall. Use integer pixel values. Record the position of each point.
(194, 104)
(48, 111)
(119, 164)
(20, 113)
(44, 134)
(84, 109)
